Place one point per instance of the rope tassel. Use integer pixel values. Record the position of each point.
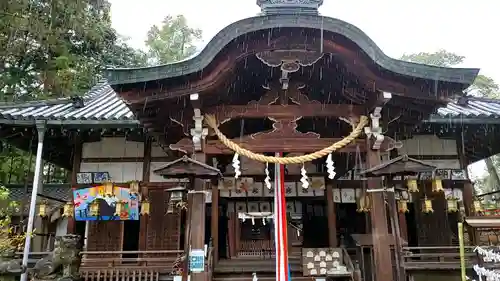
(304, 179)
(236, 166)
(267, 180)
(330, 168)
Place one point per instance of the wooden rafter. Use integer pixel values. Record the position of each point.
(261, 146)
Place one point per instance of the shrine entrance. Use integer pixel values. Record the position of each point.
(256, 237)
(250, 227)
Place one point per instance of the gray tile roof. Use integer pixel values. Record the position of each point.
(100, 103)
(472, 107)
(61, 192)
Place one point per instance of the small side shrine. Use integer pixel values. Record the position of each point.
(196, 172)
(402, 166)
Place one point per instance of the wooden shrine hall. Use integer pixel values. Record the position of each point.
(289, 133)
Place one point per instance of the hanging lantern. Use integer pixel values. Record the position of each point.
(451, 205)
(108, 188)
(176, 198)
(145, 207)
(134, 187)
(94, 208)
(68, 209)
(427, 206)
(364, 204)
(119, 207)
(170, 207)
(437, 185)
(412, 185)
(477, 206)
(361, 205)
(403, 206)
(42, 209)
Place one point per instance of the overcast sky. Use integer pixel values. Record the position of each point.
(397, 26)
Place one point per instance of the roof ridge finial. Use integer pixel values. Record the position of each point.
(272, 7)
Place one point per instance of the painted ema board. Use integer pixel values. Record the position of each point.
(197, 261)
(84, 197)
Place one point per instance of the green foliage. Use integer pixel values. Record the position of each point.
(56, 48)
(52, 49)
(173, 41)
(14, 165)
(483, 86)
(122, 55)
(440, 58)
(8, 240)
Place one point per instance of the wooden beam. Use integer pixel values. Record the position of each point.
(227, 112)
(146, 172)
(378, 100)
(215, 223)
(261, 146)
(126, 159)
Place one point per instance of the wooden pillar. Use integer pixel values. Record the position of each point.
(77, 161)
(402, 226)
(197, 223)
(146, 171)
(215, 222)
(233, 218)
(381, 246)
(332, 216)
(468, 187)
(401, 217)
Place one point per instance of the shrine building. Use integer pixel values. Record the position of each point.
(368, 154)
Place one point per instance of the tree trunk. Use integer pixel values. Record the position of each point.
(495, 179)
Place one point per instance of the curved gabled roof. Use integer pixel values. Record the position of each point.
(117, 76)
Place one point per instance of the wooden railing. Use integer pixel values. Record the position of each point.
(121, 265)
(159, 258)
(436, 258)
(347, 261)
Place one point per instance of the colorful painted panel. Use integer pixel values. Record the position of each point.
(82, 198)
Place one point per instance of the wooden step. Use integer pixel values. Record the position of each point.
(250, 269)
(248, 265)
(270, 278)
(260, 278)
(264, 264)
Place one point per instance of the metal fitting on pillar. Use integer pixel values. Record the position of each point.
(198, 133)
(375, 129)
